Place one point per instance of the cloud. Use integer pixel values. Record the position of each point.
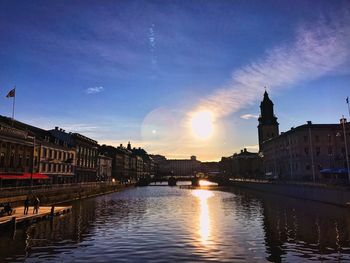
(317, 50)
(94, 90)
(249, 116)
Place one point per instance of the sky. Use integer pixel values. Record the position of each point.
(141, 71)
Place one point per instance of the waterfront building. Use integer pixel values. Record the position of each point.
(85, 151)
(180, 167)
(242, 165)
(52, 156)
(16, 153)
(104, 172)
(304, 151)
(268, 125)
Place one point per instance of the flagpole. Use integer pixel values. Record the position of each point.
(13, 106)
(347, 101)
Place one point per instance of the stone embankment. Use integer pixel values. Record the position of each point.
(55, 194)
(331, 194)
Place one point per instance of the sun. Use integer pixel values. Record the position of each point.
(202, 124)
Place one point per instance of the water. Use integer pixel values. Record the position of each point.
(166, 224)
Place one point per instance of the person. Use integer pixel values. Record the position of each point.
(36, 205)
(26, 206)
(8, 209)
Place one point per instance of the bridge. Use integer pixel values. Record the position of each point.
(172, 180)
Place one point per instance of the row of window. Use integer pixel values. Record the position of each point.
(16, 161)
(54, 167)
(86, 151)
(90, 163)
(56, 154)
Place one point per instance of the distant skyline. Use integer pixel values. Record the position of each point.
(178, 78)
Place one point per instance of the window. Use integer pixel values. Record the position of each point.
(27, 160)
(318, 151)
(20, 159)
(55, 154)
(60, 155)
(12, 159)
(2, 159)
(44, 152)
(330, 150)
(54, 167)
(317, 138)
(50, 167)
(44, 167)
(50, 153)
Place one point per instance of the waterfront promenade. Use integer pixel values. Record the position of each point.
(44, 212)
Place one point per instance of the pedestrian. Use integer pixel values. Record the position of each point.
(26, 205)
(36, 205)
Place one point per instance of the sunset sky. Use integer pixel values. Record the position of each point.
(178, 78)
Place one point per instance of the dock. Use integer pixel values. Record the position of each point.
(45, 212)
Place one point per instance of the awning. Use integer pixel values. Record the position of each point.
(26, 176)
(334, 171)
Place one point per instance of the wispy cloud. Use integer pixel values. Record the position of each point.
(249, 116)
(317, 50)
(94, 90)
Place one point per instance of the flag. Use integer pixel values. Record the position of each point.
(11, 94)
(347, 100)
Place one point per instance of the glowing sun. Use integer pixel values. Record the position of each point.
(202, 124)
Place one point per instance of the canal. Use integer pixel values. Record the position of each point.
(167, 224)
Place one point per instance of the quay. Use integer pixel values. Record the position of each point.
(45, 212)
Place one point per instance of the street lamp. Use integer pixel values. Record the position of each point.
(343, 121)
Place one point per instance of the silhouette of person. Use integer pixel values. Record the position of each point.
(26, 205)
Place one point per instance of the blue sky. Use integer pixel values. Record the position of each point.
(136, 71)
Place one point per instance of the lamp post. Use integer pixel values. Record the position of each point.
(312, 153)
(343, 121)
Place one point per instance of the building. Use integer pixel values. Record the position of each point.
(302, 152)
(86, 152)
(16, 154)
(180, 167)
(242, 165)
(104, 172)
(268, 125)
(52, 157)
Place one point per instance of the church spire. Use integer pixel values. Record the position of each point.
(268, 125)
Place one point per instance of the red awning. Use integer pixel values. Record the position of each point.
(26, 176)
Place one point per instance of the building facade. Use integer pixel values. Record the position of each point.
(303, 152)
(104, 164)
(180, 167)
(242, 165)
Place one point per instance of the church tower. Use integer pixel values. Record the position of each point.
(268, 125)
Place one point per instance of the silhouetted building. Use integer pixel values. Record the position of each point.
(268, 125)
(180, 167)
(302, 152)
(242, 165)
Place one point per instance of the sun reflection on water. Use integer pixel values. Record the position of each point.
(204, 216)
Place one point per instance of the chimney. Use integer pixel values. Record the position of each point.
(342, 120)
(241, 151)
(56, 128)
(245, 150)
(309, 122)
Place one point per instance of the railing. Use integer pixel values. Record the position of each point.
(16, 191)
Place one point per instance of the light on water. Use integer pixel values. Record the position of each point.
(167, 224)
(204, 216)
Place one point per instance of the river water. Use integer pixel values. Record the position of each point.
(167, 224)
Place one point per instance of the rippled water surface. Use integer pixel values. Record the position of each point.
(167, 224)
